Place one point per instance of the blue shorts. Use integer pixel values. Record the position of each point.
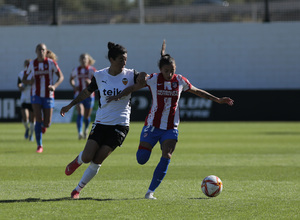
(152, 135)
(44, 102)
(88, 102)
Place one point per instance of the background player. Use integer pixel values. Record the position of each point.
(26, 108)
(79, 80)
(40, 74)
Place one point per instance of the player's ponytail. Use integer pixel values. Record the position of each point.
(110, 45)
(163, 48)
(165, 59)
(115, 50)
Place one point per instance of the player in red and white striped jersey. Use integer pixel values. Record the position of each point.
(80, 78)
(40, 74)
(163, 118)
(164, 112)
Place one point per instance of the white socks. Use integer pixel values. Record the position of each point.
(25, 123)
(31, 128)
(79, 160)
(149, 191)
(89, 173)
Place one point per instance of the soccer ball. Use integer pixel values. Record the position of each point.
(212, 186)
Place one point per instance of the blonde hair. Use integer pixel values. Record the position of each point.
(90, 58)
(51, 55)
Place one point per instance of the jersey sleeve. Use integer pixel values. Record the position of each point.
(93, 85)
(150, 80)
(74, 73)
(92, 70)
(55, 66)
(186, 84)
(30, 71)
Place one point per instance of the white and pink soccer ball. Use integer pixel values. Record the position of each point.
(212, 186)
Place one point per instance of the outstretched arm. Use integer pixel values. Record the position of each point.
(141, 83)
(82, 96)
(206, 95)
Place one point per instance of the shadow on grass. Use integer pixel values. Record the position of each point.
(60, 199)
(282, 133)
(200, 198)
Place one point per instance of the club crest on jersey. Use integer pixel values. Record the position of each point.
(174, 85)
(125, 81)
(46, 66)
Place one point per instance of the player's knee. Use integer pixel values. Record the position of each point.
(86, 158)
(143, 155)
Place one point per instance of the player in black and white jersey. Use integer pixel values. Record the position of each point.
(26, 108)
(112, 119)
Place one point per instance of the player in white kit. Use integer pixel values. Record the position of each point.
(26, 108)
(112, 119)
(80, 78)
(162, 121)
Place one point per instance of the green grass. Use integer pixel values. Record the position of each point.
(258, 163)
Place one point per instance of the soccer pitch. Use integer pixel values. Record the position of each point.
(258, 163)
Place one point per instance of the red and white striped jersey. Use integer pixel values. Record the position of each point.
(80, 74)
(43, 76)
(164, 113)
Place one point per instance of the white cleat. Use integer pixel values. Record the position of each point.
(149, 195)
(80, 136)
(86, 133)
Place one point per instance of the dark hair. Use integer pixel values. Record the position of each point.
(115, 50)
(165, 59)
(26, 62)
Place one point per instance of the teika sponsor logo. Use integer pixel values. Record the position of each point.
(113, 92)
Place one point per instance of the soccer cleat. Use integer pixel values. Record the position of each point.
(86, 133)
(44, 129)
(74, 194)
(149, 195)
(72, 167)
(39, 149)
(80, 136)
(26, 133)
